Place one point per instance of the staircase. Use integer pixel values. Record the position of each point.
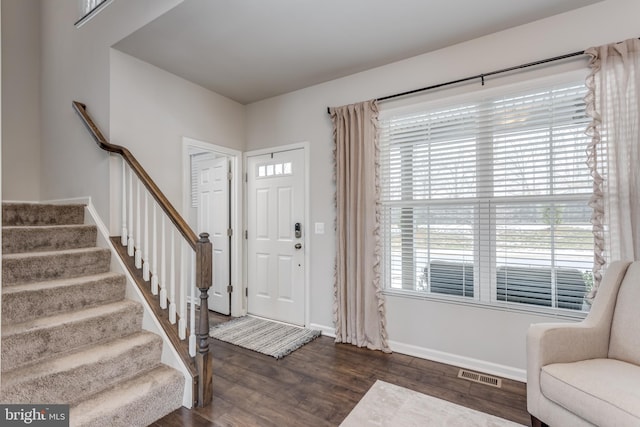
(68, 333)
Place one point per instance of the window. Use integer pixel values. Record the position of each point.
(274, 169)
(486, 200)
(88, 8)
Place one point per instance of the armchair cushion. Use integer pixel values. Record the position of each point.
(600, 391)
(625, 327)
(552, 348)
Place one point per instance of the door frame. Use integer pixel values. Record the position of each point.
(236, 217)
(307, 219)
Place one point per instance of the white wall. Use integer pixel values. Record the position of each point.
(488, 339)
(75, 66)
(21, 99)
(151, 110)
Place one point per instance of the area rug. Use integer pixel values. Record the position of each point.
(391, 405)
(264, 336)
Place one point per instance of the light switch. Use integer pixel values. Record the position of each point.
(319, 227)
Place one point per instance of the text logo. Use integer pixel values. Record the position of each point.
(34, 415)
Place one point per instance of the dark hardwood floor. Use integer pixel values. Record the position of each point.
(319, 384)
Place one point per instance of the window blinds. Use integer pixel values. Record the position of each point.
(487, 199)
(87, 6)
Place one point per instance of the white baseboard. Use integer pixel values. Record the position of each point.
(69, 201)
(442, 357)
(33, 202)
(326, 330)
(460, 361)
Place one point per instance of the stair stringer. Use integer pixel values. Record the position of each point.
(150, 323)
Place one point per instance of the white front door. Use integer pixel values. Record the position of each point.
(213, 218)
(275, 236)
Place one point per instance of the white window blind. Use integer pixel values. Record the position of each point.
(196, 160)
(88, 9)
(87, 6)
(487, 199)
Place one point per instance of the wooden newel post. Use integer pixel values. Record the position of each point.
(204, 253)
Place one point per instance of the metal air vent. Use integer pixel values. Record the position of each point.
(477, 377)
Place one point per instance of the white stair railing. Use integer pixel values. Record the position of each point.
(179, 286)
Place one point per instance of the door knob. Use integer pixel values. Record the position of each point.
(298, 246)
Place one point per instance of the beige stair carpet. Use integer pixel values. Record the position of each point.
(69, 336)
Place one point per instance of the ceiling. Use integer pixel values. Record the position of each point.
(249, 50)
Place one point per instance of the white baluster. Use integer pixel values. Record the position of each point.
(130, 243)
(123, 233)
(145, 246)
(172, 280)
(192, 312)
(182, 323)
(138, 232)
(162, 280)
(154, 258)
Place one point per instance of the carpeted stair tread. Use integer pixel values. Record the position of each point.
(73, 376)
(21, 303)
(20, 239)
(34, 340)
(134, 403)
(40, 266)
(68, 333)
(41, 214)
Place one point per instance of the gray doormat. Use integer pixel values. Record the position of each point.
(264, 336)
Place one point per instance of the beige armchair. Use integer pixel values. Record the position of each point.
(588, 373)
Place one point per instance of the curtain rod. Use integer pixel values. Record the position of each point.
(479, 76)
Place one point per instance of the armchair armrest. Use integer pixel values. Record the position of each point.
(549, 343)
(565, 342)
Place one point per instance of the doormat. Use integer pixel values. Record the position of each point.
(264, 336)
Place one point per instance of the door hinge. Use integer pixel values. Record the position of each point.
(229, 232)
(246, 177)
(229, 289)
(229, 175)
(246, 292)
(246, 234)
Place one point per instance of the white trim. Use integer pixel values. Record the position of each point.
(237, 241)
(149, 322)
(460, 361)
(327, 331)
(307, 234)
(443, 357)
(305, 146)
(278, 149)
(69, 201)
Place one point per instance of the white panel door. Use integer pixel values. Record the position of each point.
(275, 250)
(213, 218)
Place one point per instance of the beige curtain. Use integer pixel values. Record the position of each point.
(358, 311)
(613, 102)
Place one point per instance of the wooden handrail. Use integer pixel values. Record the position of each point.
(202, 376)
(163, 202)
